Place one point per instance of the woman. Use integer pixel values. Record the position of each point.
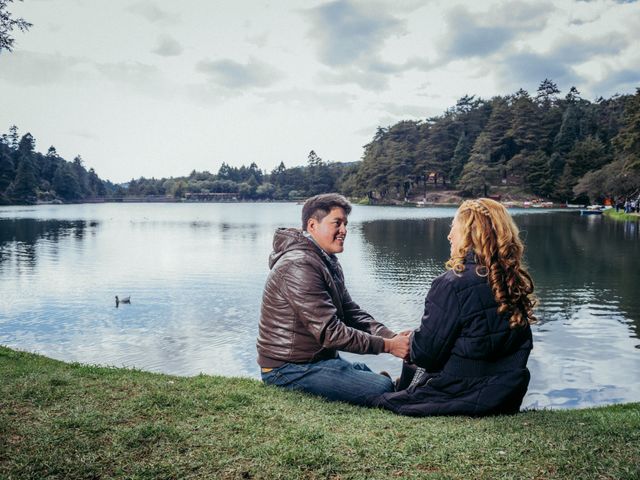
(474, 340)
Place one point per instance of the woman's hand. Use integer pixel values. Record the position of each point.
(398, 346)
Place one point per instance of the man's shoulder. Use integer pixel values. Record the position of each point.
(298, 259)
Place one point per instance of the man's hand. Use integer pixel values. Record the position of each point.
(398, 346)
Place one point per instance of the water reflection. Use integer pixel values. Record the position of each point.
(19, 238)
(572, 267)
(408, 253)
(195, 274)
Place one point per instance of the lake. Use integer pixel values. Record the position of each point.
(195, 274)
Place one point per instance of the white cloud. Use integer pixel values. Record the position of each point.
(347, 31)
(619, 81)
(481, 34)
(168, 47)
(234, 75)
(349, 36)
(39, 69)
(303, 98)
(151, 12)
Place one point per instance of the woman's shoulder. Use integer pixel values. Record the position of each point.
(461, 280)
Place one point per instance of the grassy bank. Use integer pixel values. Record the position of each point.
(61, 420)
(611, 213)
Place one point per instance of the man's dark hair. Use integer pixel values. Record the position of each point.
(319, 207)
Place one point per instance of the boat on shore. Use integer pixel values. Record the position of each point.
(592, 210)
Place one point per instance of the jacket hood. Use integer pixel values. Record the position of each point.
(286, 240)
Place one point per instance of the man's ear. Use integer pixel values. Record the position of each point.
(312, 223)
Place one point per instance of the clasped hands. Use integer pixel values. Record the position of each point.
(400, 345)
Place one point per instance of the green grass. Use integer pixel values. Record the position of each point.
(611, 213)
(362, 201)
(60, 420)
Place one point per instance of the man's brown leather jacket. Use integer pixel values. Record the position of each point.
(307, 313)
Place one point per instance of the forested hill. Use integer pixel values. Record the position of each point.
(27, 176)
(548, 145)
(553, 146)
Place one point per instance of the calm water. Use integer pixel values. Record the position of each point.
(195, 274)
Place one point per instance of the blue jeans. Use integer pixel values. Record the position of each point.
(335, 379)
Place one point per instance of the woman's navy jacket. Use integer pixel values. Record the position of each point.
(477, 365)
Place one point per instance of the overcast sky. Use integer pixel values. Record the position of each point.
(157, 88)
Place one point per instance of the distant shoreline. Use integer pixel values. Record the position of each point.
(394, 203)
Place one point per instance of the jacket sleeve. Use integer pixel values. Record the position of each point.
(356, 317)
(433, 341)
(305, 288)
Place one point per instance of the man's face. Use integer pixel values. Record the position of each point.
(330, 233)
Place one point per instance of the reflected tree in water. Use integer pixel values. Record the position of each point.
(407, 253)
(19, 238)
(571, 268)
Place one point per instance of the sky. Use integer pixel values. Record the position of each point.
(159, 88)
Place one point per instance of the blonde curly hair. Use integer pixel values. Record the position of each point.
(487, 230)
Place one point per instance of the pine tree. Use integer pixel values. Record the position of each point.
(587, 155)
(627, 142)
(573, 96)
(569, 132)
(27, 145)
(497, 130)
(96, 185)
(13, 137)
(7, 170)
(81, 175)
(460, 158)
(66, 183)
(474, 180)
(23, 189)
(479, 173)
(537, 172)
(434, 151)
(563, 189)
(50, 164)
(547, 94)
(550, 114)
(525, 125)
(553, 171)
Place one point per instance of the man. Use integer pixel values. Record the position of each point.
(307, 314)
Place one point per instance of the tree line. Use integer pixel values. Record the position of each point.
(556, 147)
(561, 148)
(27, 176)
(250, 183)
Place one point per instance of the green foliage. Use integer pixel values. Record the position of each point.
(627, 142)
(620, 215)
(543, 145)
(614, 179)
(23, 188)
(7, 169)
(66, 184)
(27, 176)
(8, 24)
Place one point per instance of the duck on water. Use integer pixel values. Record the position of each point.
(122, 300)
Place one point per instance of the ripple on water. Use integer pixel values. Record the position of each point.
(195, 274)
